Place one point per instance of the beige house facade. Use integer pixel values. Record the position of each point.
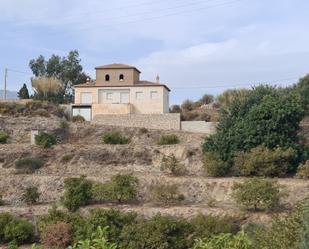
(118, 90)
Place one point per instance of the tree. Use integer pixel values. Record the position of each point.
(65, 69)
(23, 92)
(207, 99)
(302, 88)
(265, 116)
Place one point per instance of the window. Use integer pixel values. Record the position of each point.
(139, 95)
(86, 98)
(154, 95)
(121, 77)
(106, 77)
(109, 96)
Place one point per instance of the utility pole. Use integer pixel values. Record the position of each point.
(5, 79)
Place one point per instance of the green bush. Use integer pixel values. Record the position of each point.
(77, 193)
(12, 245)
(258, 194)
(15, 229)
(78, 119)
(303, 171)
(168, 139)
(157, 232)
(115, 220)
(31, 195)
(206, 226)
(214, 165)
(97, 240)
(115, 137)
(45, 140)
(124, 188)
(28, 165)
(225, 241)
(167, 194)
(3, 137)
(261, 161)
(171, 165)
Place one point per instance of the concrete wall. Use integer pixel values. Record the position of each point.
(170, 121)
(131, 76)
(199, 127)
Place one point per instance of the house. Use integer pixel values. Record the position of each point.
(118, 90)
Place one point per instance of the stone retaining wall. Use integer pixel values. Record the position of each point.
(199, 127)
(168, 121)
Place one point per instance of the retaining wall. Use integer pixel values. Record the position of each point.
(168, 121)
(199, 127)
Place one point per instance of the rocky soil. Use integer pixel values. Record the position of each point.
(82, 153)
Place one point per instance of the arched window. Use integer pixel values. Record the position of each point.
(106, 77)
(121, 77)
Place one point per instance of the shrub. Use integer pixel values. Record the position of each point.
(28, 165)
(31, 195)
(225, 241)
(115, 138)
(96, 240)
(157, 232)
(13, 245)
(124, 188)
(143, 130)
(19, 230)
(214, 165)
(3, 137)
(67, 158)
(259, 194)
(1, 200)
(171, 165)
(56, 235)
(168, 139)
(206, 226)
(115, 220)
(77, 193)
(303, 171)
(187, 105)
(78, 119)
(5, 218)
(41, 112)
(261, 161)
(166, 194)
(45, 140)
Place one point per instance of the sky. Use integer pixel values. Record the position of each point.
(195, 46)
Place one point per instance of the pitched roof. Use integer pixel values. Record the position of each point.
(140, 83)
(117, 66)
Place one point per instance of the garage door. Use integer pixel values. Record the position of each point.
(84, 112)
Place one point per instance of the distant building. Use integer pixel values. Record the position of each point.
(119, 90)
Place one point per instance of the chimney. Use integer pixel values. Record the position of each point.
(158, 79)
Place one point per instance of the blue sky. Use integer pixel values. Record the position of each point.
(196, 46)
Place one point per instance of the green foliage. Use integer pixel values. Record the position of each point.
(258, 193)
(261, 161)
(15, 229)
(187, 105)
(303, 171)
(115, 137)
(97, 241)
(124, 188)
(66, 69)
(23, 92)
(77, 193)
(171, 165)
(158, 232)
(78, 119)
(31, 195)
(206, 226)
(115, 220)
(166, 194)
(302, 88)
(228, 97)
(168, 139)
(207, 99)
(265, 115)
(45, 140)
(3, 137)
(13, 245)
(28, 165)
(214, 165)
(225, 241)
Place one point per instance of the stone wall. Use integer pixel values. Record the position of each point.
(168, 121)
(199, 127)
